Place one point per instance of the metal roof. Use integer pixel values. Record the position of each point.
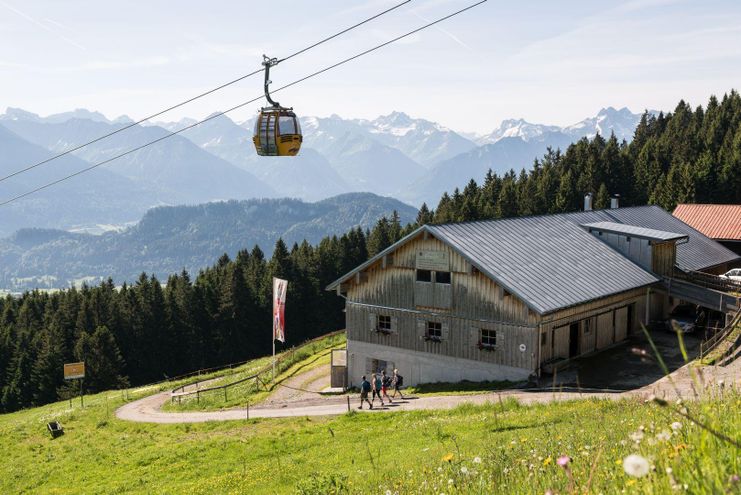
(633, 231)
(721, 222)
(548, 262)
(697, 254)
(551, 262)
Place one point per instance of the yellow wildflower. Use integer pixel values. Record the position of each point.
(448, 457)
(547, 461)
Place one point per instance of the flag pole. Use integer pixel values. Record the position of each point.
(273, 358)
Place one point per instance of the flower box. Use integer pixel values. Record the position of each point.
(486, 347)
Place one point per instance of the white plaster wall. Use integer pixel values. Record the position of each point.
(420, 367)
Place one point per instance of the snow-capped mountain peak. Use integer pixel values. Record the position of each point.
(517, 128)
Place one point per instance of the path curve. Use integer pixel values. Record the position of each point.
(681, 382)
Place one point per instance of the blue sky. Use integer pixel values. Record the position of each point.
(548, 62)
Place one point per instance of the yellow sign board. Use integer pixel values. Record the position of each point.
(73, 371)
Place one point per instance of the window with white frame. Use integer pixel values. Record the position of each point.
(384, 323)
(488, 337)
(434, 330)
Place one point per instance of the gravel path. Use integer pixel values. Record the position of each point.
(290, 403)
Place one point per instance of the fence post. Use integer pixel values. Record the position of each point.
(348, 403)
(225, 394)
(198, 396)
(248, 409)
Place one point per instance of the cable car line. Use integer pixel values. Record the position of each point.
(219, 114)
(201, 95)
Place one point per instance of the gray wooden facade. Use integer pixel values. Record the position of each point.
(469, 304)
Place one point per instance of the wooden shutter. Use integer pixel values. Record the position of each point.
(474, 334)
(372, 322)
(445, 333)
(395, 324)
(421, 328)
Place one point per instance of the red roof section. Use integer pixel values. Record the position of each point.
(722, 222)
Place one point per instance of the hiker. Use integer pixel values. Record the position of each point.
(397, 382)
(385, 384)
(365, 387)
(376, 387)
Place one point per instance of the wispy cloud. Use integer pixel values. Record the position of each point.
(444, 31)
(43, 26)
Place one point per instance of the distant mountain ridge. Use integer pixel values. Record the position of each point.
(394, 155)
(168, 239)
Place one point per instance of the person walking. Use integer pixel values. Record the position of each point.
(397, 381)
(376, 387)
(365, 387)
(385, 384)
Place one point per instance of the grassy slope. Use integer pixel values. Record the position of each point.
(292, 362)
(398, 451)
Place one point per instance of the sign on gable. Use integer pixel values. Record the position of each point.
(438, 261)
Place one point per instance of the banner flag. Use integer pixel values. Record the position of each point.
(279, 309)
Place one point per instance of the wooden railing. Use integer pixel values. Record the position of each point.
(181, 391)
(710, 281)
(706, 346)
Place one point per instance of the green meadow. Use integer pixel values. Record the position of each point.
(495, 448)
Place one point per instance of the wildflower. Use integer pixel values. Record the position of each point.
(635, 465)
(637, 436)
(464, 470)
(676, 426)
(477, 460)
(619, 462)
(563, 461)
(439, 470)
(547, 461)
(663, 436)
(450, 481)
(448, 457)
(388, 492)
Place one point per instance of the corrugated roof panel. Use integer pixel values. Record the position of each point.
(548, 262)
(633, 231)
(715, 221)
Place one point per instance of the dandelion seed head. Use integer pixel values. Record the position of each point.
(635, 465)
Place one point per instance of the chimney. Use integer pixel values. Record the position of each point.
(615, 201)
(588, 202)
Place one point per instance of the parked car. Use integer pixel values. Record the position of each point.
(686, 318)
(734, 274)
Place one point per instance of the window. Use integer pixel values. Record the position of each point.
(424, 276)
(442, 277)
(384, 323)
(488, 337)
(627, 239)
(287, 125)
(434, 330)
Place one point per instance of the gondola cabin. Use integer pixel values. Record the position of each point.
(277, 132)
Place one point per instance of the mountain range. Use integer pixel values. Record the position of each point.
(171, 238)
(414, 160)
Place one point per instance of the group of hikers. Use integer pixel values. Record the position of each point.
(379, 385)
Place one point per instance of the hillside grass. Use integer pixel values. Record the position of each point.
(290, 363)
(401, 452)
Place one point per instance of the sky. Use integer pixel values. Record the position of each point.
(547, 62)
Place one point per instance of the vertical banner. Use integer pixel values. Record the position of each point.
(279, 309)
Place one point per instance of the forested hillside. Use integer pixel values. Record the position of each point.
(147, 331)
(686, 156)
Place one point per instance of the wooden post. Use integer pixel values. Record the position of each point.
(225, 399)
(198, 396)
(248, 409)
(348, 403)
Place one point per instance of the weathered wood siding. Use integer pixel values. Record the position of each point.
(638, 250)
(663, 258)
(473, 295)
(601, 323)
(460, 336)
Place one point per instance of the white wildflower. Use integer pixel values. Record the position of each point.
(450, 481)
(676, 426)
(439, 470)
(464, 470)
(635, 465)
(477, 460)
(637, 436)
(663, 436)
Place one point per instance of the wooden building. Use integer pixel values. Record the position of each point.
(502, 299)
